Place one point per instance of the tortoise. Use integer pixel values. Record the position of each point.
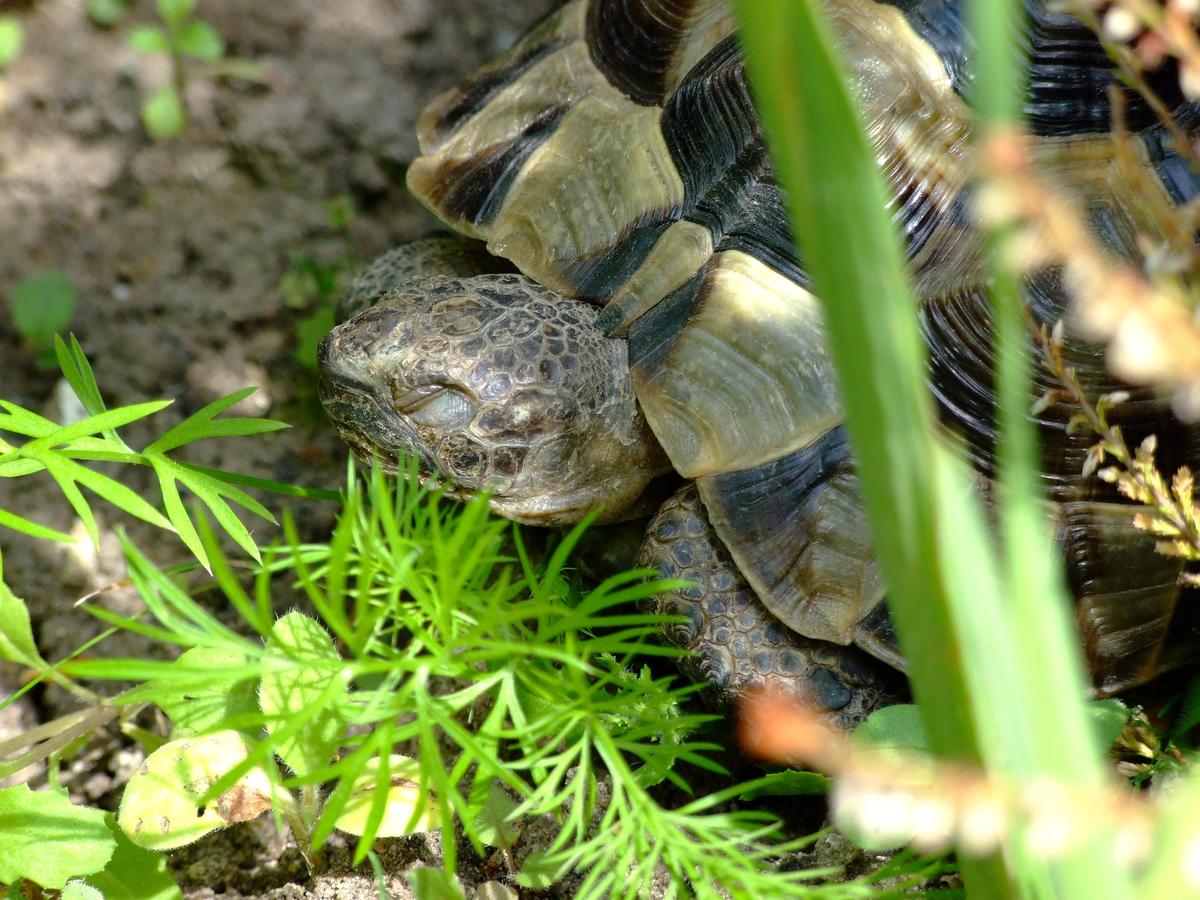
(641, 309)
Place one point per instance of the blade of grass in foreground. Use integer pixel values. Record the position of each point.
(964, 649)
(1058, 740)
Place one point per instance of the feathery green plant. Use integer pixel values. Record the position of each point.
(62, 450)
(182, 35)
(515, 694)
(439, 634)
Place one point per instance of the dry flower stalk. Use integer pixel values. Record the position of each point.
(1175, 254)
(1129, 36)
(1153, 31)
(1170, 511)
(1152, 334)
(891, 797)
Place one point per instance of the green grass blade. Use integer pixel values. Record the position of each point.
(33, 529)
(202, 424)
(838, 211)
(264, 484)
(164, 468)
(945, 588)
(114, 492)
(99, 423)
(1055, 738)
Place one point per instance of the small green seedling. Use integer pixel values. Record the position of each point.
(181, 36)
(12, 36)
(107, 12)
(43, 306)
(316, 286)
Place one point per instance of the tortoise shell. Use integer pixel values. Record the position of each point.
(615, 155)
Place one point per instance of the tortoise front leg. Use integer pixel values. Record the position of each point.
(736, 643)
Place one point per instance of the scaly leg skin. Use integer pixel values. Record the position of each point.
(736, 643)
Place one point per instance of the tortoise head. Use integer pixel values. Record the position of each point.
(496, 384)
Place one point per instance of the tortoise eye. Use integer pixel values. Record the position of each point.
(435, 405)
(408, 400)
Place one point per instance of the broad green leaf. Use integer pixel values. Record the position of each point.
(399, 801)
(174, 12)
(492, 825)
(16, 634)
(134, 873)
(789, 783)
(163, 114)
(46, 839)
(897, 727)
(203, 703)
(42, 306)
(289, 693)
(161, 810)
(80, 890)
(200, 40)
(12, 36)
(1108, 718)
(540, 871)
(148, 39)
